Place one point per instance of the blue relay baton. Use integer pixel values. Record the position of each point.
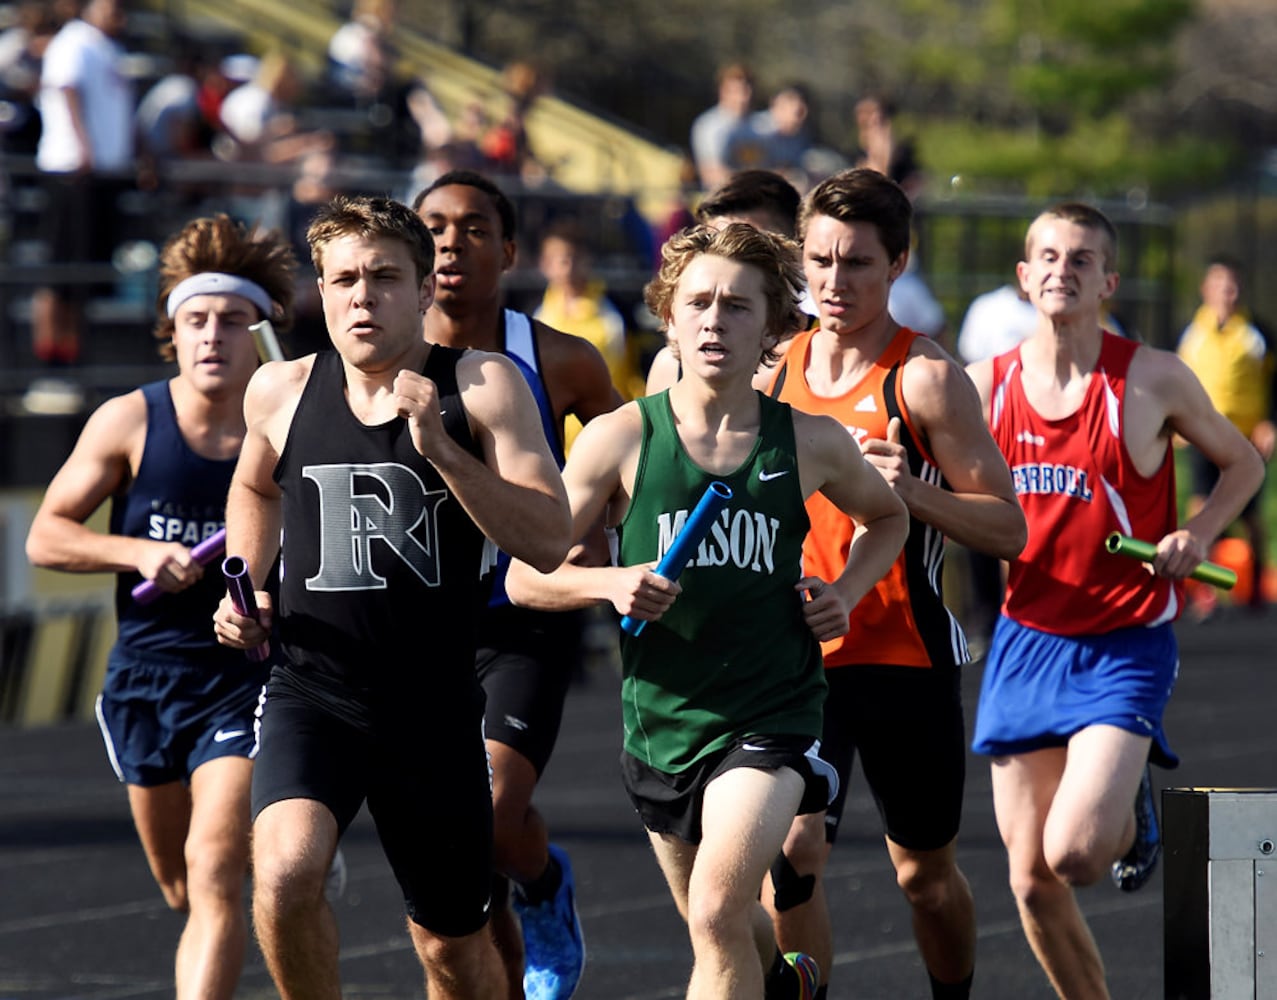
(695, 528)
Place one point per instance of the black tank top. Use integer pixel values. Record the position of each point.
(380, 579)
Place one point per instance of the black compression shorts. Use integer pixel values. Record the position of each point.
(428, 792)
(907, 725)
(526, 660)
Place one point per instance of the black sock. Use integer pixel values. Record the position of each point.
(951, 991)
(822, 992)
(781, 981)
(545, 885)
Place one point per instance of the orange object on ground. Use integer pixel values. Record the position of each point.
(1235, 554)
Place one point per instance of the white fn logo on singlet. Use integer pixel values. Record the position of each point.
(866, 405)
(1028, 437)
(766, 477)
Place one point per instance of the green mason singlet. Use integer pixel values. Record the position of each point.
(733, 656)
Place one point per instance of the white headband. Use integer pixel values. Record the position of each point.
(215, 283)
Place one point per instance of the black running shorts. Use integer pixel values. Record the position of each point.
(907, 725)
(428, 792)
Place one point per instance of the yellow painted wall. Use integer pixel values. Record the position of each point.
(75, 600)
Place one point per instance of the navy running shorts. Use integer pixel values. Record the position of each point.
(162, 717)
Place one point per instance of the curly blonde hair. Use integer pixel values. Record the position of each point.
(777, 257)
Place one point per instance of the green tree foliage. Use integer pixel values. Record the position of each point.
(1024, 95)
(1085, 60)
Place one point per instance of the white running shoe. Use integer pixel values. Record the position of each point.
(335, 883)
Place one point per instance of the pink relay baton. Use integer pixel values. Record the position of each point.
(240, 586)
(204, 553)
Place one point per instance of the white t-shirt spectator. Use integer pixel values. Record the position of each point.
(83, 58)
(911, 304)
(246, 111)
(995, 322)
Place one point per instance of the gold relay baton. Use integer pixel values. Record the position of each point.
(266, 342)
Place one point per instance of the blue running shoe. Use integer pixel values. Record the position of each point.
(554, 948)
(808, 973)
(1136, 867)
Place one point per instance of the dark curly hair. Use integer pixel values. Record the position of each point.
(220, 244)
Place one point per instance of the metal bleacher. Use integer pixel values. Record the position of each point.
(56, 628)
(589, 153)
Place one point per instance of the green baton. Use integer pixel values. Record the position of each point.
(1208, 572)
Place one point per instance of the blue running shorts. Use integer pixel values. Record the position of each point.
(1039, 689)
(162, 716)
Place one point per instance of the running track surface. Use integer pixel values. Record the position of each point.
(80, 918)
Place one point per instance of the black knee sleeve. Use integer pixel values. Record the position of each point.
(790, 889)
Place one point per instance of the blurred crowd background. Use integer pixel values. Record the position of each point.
(607, 123)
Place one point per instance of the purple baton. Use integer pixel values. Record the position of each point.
(204, 553)
(240, 586)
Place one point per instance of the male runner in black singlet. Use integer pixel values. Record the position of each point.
(386, 464)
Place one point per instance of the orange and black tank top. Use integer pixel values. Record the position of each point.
(903, 621)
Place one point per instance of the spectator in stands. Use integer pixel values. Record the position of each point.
(403, 116)
(996, 321)
(248, 109)
(505, 145)
(777, 138)
(677, 213)
(911, 303)
(882, 150)
(22, 48)
(219, 79)
(360, 53)
(460, 152)
(169, 121)
(576, 302)
(713, 127)
(85, 155)
(316, 185)
(468, 131)
(1233, 360)
(259, 114)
